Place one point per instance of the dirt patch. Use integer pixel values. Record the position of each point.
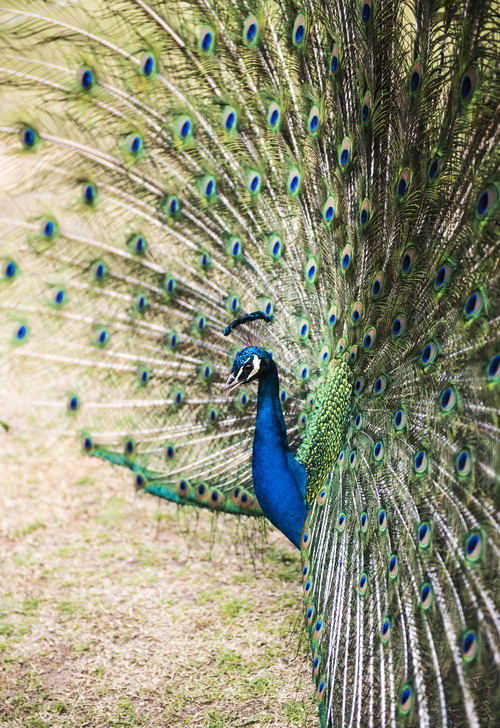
(118, 609)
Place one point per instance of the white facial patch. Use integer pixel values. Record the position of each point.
(256, 367)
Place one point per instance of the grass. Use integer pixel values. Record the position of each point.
(118, 610)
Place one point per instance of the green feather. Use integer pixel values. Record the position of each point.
(167, 167)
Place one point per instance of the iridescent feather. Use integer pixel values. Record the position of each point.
(169, 167)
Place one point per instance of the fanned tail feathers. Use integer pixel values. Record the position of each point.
(168, 167)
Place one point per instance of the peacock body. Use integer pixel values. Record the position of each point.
(169, 167)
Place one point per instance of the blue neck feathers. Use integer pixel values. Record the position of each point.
(279, 480)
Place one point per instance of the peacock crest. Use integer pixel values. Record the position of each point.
(170, 168)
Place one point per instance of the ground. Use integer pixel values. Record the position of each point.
(118, 609)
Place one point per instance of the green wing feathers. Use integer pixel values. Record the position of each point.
(326, 427)
(168, 167)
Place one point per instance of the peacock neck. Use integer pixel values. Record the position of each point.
(279, 480)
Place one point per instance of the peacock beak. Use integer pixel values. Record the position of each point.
(231, 384)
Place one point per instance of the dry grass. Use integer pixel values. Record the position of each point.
(116, 609)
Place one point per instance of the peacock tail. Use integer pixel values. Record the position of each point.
(169, 166)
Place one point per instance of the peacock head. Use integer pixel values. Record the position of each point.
(252, 362)
(249, 364)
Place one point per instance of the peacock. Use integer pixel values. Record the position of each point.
(228, 222)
